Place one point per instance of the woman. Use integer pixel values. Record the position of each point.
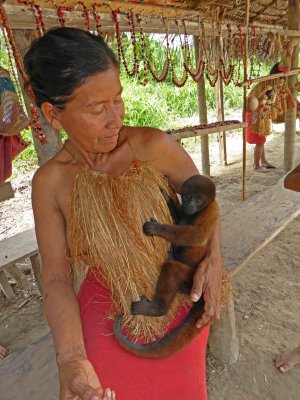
(75, 78)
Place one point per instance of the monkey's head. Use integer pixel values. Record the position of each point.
(197, 193)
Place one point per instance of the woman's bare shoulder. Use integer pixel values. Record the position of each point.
(51, 175)
(146, 140)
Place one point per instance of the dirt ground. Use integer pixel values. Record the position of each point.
(266, 291)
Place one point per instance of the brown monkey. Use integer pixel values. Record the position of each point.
(194, 223)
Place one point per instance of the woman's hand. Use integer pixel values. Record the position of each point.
(207, 282)
(78, 381)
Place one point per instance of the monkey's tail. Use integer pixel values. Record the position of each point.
(168, 344)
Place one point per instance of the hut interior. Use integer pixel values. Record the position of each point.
(219, 42)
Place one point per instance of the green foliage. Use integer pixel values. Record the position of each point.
(160, 105)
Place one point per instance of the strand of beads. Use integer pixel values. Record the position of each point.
(97, 18)
(143, 77)
(121, 52)
(60, 14)
(85, 15)
(177, 82)
(227, 74)
(166, 67)
(197, 72)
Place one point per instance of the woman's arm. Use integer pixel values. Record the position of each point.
(292, 180)
(60, 303)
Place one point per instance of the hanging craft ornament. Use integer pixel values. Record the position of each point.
(12, 48)
(12, 116)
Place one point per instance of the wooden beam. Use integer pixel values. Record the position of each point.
(23, 39)
(6, 191)
(220, 114)
(124, 6)
(294, 71)
(206, 131)
(247, 14)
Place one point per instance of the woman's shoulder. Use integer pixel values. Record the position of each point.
(54, 172)
(146, 141)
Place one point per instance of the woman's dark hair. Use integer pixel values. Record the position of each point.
(60, 61)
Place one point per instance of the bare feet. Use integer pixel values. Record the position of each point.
(268, 165)
(260, 169)
(2, 352)
(288, 360)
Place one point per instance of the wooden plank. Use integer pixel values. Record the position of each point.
(271, 77)
(6, 191)
(248, 228)
(30, 373)
(5, 286)
(17, 247)
(37, 266)
(206, 131)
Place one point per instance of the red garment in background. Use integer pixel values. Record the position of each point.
(252, 137)
(181, 376)
(10, 147)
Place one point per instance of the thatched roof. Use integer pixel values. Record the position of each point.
(262, 12)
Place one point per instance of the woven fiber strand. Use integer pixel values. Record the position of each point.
(107, 214)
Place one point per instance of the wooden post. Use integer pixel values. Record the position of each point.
(245, 97)
(202, 117)
(37, 267)
(5, 286)
(291, 114)
(220, 114)
(23, 39)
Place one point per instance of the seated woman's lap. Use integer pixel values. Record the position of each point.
(181, 376)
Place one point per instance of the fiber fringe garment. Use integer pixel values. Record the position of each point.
(107, 214)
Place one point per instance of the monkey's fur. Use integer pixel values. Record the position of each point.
(194, 223)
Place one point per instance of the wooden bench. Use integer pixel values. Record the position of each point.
(244, 232)
(14, 249)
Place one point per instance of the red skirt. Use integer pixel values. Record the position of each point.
(183, 375)
(252, 137)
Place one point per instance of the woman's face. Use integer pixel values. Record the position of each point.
(94, 116)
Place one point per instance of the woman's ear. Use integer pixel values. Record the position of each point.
(52, 115)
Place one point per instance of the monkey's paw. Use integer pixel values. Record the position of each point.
(141, 306)
(151, 227)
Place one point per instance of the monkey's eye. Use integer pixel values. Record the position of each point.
(187, 197)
